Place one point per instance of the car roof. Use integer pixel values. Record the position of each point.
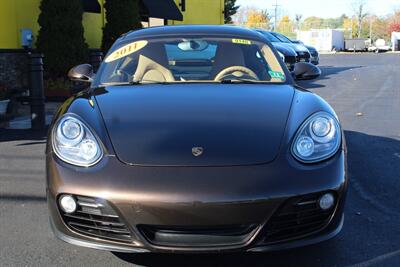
(263, 31)
(193, 30)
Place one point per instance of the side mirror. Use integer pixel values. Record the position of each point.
(81, 73)
(306, 71)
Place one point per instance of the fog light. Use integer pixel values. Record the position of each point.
(68, 203)
(326, 201)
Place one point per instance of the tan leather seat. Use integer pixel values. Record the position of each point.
(150, 71)
(227, 55)
(153, 65)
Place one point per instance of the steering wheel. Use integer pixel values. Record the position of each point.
(233, 70)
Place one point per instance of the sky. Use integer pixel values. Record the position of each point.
(322, 8)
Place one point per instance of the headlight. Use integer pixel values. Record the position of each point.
(317, 139)
(282, 56)
(74, 143)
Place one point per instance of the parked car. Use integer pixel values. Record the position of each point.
(195, 139)
(313, 52)
(288, 54)
(379, 46)
(303, 55)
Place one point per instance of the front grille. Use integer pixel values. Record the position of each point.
(297, 218)
(290, 61)
(198, 236)
(95, 217)
(303, 56)
(314, 53)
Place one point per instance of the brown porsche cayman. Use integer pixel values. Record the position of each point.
(195, 138)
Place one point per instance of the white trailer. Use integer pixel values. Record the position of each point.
(396, 41)
(323, 39)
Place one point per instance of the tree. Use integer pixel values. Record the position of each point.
(313, 23)
(258, 19)
(394, 27)
(379, 28)
(285, 26)
(298, 19)
(359, 9)
(230, 9)
(341, 20)
(242, 15)
(60, 36)
(334, 23)
(122, 16)
(350, 26)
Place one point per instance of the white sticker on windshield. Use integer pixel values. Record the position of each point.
(126, 50)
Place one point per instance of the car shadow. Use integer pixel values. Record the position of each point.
(21, 198)
(369, 236)
(327, 72)
(279, 258)
(33, 136)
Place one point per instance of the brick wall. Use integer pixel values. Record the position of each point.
(14, 69)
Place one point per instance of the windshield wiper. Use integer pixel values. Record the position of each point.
(148, 82)
(114, 83)
(239, 80)
(132, 83)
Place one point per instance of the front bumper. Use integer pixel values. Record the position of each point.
(330, 233)
(202, 196)
(315, 60)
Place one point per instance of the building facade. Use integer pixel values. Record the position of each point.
(19, 27)
(17, 15)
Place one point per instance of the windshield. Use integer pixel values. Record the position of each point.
(270, 37)
(184, 60)
(282, 37)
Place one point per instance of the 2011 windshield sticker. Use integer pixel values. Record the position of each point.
(277, 75)
(241, 41)
(126, 50)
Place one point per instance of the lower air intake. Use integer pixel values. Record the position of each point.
(181, 236)
(96, 218)
(298, 217)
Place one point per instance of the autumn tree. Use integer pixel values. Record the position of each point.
(350, 26)
(286, 26)
(258, 19)
(394, 27)
(379, 28)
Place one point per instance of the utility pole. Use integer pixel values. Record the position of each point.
(370, 30)
(276, 14)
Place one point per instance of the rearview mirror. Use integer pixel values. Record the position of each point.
(193, 45)
(306, 71)
(81, 73)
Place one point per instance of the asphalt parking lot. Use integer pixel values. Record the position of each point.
(364, 89)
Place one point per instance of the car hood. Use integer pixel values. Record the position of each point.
(295, 47)
(161, 125)
(284, 49)
(311, 48)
